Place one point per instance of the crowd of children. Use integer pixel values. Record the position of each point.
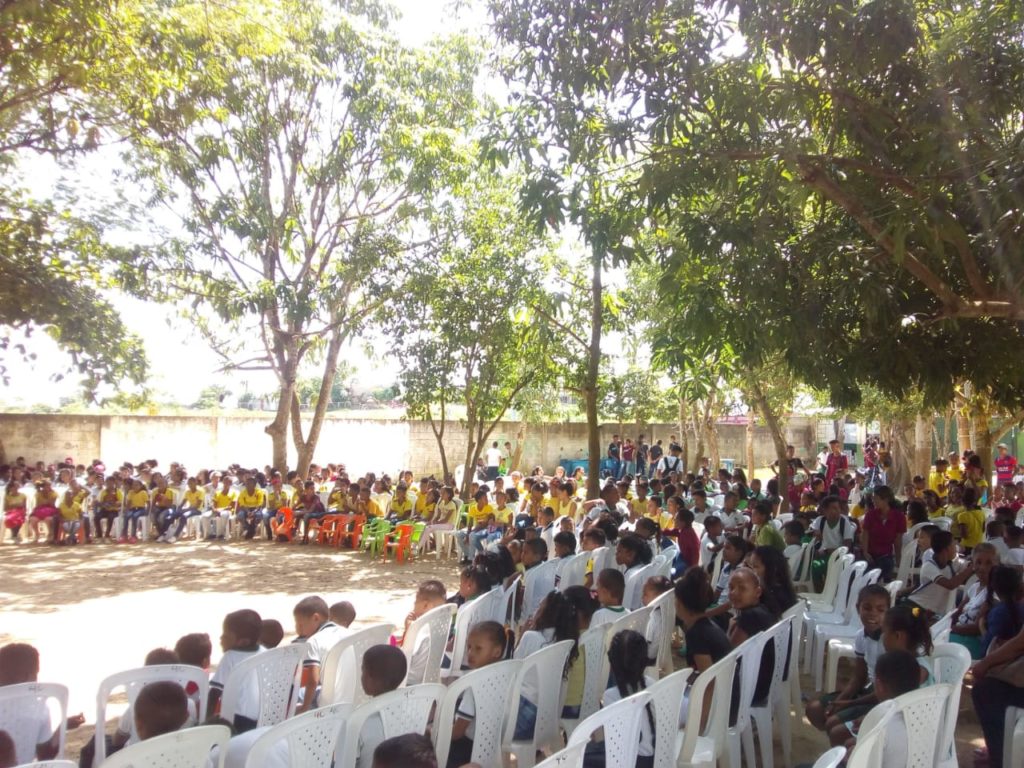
(724, 525)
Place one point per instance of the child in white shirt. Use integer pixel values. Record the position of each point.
(611, 586)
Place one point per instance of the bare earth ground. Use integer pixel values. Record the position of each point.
(95, 610)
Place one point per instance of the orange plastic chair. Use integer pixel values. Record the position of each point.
(352, 538)
(286, 527)
(401, 541)
(330, 526)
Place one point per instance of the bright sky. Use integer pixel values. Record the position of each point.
(181, 363)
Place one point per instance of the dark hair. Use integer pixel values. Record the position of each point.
(777, 583)
(163, 706)
(794, 528)
(498, 568)
(538, 546)
(873, 590)
(495, 632)
(660, 584)
(612, 580)
(883, 492)
(738, 542)
(343, 613)
(271, 633)
(970, 498)
(582, 600)
(910, 619)
(308, 606)
(595, 534)
(941, 540)
(8, 755)
(557, 612)
(764, 507)
(628, 655)
(19, 663)
(566, 539)
(642, 554)
(648, 525)
(246, 624)
(917, 512)
(1004, 582)
(386, 664)
(410, 750)
(479, 576)
(899, 671)
(194, 649)
(159, 656)
(693, 590)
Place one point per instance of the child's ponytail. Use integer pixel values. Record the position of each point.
(911, 620)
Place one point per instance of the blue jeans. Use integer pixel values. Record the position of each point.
(476, 541)
(526, 720)
(628, 468)
(133, 517)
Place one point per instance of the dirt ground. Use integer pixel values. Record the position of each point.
(95, 610)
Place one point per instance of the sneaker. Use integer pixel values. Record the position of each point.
(171, 539)
(132, 540)
(17, 539)
(123, 540)
(160, 538)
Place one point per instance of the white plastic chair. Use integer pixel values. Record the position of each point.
(547, 666)
(593, 646)
(603, 557)
(1013, 739)
(867, 752)
(570, 757)
(831, 759)
(341, 671)
(840, 646)
(923, 713)
(277, 671)
(468, 616)
(406, 710)
(574, 572)
(134, 680)
(491, 688)
(664, 607)
(23, 706)
(635, 620)
(950, 663)
(906, 569)
(632, 597)
(789, 700)
(505, 609)
(49, 764)
(310, 739)
(436, 623)
(945, 523)
(740, 735)
(846, 627)
(537, 583)
(828, 590)
(189, 748)
(763, 716)
(800, 567)
(621, 724)
(833, 614)
(666, 695)
(704, 748)
(940, 629)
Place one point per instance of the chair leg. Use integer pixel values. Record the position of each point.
(820, 649)
(832, 673)
(781, 720)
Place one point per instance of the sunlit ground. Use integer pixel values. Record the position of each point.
(95, 610)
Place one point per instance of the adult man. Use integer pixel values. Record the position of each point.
(493, 461)
(614, 448)
(642, 451)
(1006, 465)
(628, 452)
(654, 456)
(835, 462)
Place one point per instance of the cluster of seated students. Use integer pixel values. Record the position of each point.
(965, 543)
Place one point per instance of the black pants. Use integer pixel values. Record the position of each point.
(991, 700)
(110, 517)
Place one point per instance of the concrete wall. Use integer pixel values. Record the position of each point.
(361, 444)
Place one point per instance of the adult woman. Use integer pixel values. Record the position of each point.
(706, 643)
(882, 529)
(966, 629)
(993, 696)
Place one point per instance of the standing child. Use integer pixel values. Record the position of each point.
(239, 640)
(485, 645)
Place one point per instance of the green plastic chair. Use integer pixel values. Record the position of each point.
(369, 533)
(417, 537)
(379, 538)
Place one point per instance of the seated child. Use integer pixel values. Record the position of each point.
(764, 533)
(894, 676)
(535, 552)
(653, 587)
(487, 643)
(271, 633)
(995, 534)
(161, 707)
(194, 650)
(342, 614)
(629, 656)
(939, 575)
(429, 595)
(565, 548)
(239, 640)
(410, 750)
(611, 586)
(858, 695)
(19, 663)
(314, 626)
(384, 670)
(712, 542)
(1014, 552)
(592, 538)
(793, 535)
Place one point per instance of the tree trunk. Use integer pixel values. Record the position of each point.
(306, 447)
(684, 437)
(902, 455)
(469, 462)
(517, 449)
(771, 419)
(922, 444)
(963, 432)
(698, 440)
(278, 428)
(947, 432)
(981, 438)
(439, 437)
(750, 445)
(590, 385)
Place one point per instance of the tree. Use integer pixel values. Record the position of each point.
(298, 172)
(212, 397)
(473, 337)
(848, 173)
(56, 60)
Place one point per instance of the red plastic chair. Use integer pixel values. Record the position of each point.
(352, 538)
(401, 541)
(286, 527)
